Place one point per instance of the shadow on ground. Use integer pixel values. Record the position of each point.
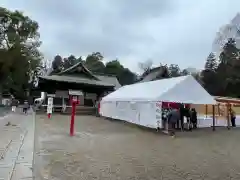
(103, 149)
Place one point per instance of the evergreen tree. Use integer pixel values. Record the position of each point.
(230, 52)
(57, 64)
(209, 76)
(20, 58)
(229, 68)
(211, 63)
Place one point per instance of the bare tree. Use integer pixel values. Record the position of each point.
(146, 65)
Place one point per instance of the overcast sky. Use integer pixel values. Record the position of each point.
(166, 31)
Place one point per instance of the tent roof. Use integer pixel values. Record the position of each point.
(184, 89)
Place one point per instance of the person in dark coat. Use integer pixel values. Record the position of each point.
(193, 118)
(187, 113)
(182, 113)
(173, 117)
(97, 108)
(25, 107)
(233, 117)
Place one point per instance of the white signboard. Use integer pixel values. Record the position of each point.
(75, 93)
(49, 110)
(158, 108)
(51, 95)
(158, 113)
(50, 105)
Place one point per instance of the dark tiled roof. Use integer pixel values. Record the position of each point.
(74, 79)
(109, 79)
(72, 75)
(154, 74)
(74, 68)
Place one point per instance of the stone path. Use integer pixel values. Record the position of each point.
(16, 146)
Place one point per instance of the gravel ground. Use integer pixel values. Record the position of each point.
(4, 111)
(103, 149)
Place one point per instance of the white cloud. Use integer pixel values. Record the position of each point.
(166, 31)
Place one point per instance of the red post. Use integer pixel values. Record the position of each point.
(99, 106)
(72, 118)
(49, 115)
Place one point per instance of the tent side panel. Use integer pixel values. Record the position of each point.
(150, 114)
(107, 109)
(141, 113)
(122, 111)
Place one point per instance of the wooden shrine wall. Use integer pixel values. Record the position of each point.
(220, 110)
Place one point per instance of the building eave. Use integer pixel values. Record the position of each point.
(77, 80)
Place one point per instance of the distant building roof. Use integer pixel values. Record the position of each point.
(109, 79)
(154, 74)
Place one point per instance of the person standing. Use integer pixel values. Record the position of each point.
(173, 117)
(97, 107)
(233, 117)
(182, 113)
(194, 118)
(14, 105)
(25, 107)
(164, 118)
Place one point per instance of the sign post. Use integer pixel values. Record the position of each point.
(49, 107)
(75, 102)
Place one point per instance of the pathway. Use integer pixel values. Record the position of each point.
(16, 146)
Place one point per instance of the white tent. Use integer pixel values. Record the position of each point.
(133, 102)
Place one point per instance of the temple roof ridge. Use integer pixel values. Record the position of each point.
(75, 66)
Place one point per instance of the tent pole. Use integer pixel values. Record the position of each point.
(219, 113)
(206, 110)
(213, 126)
